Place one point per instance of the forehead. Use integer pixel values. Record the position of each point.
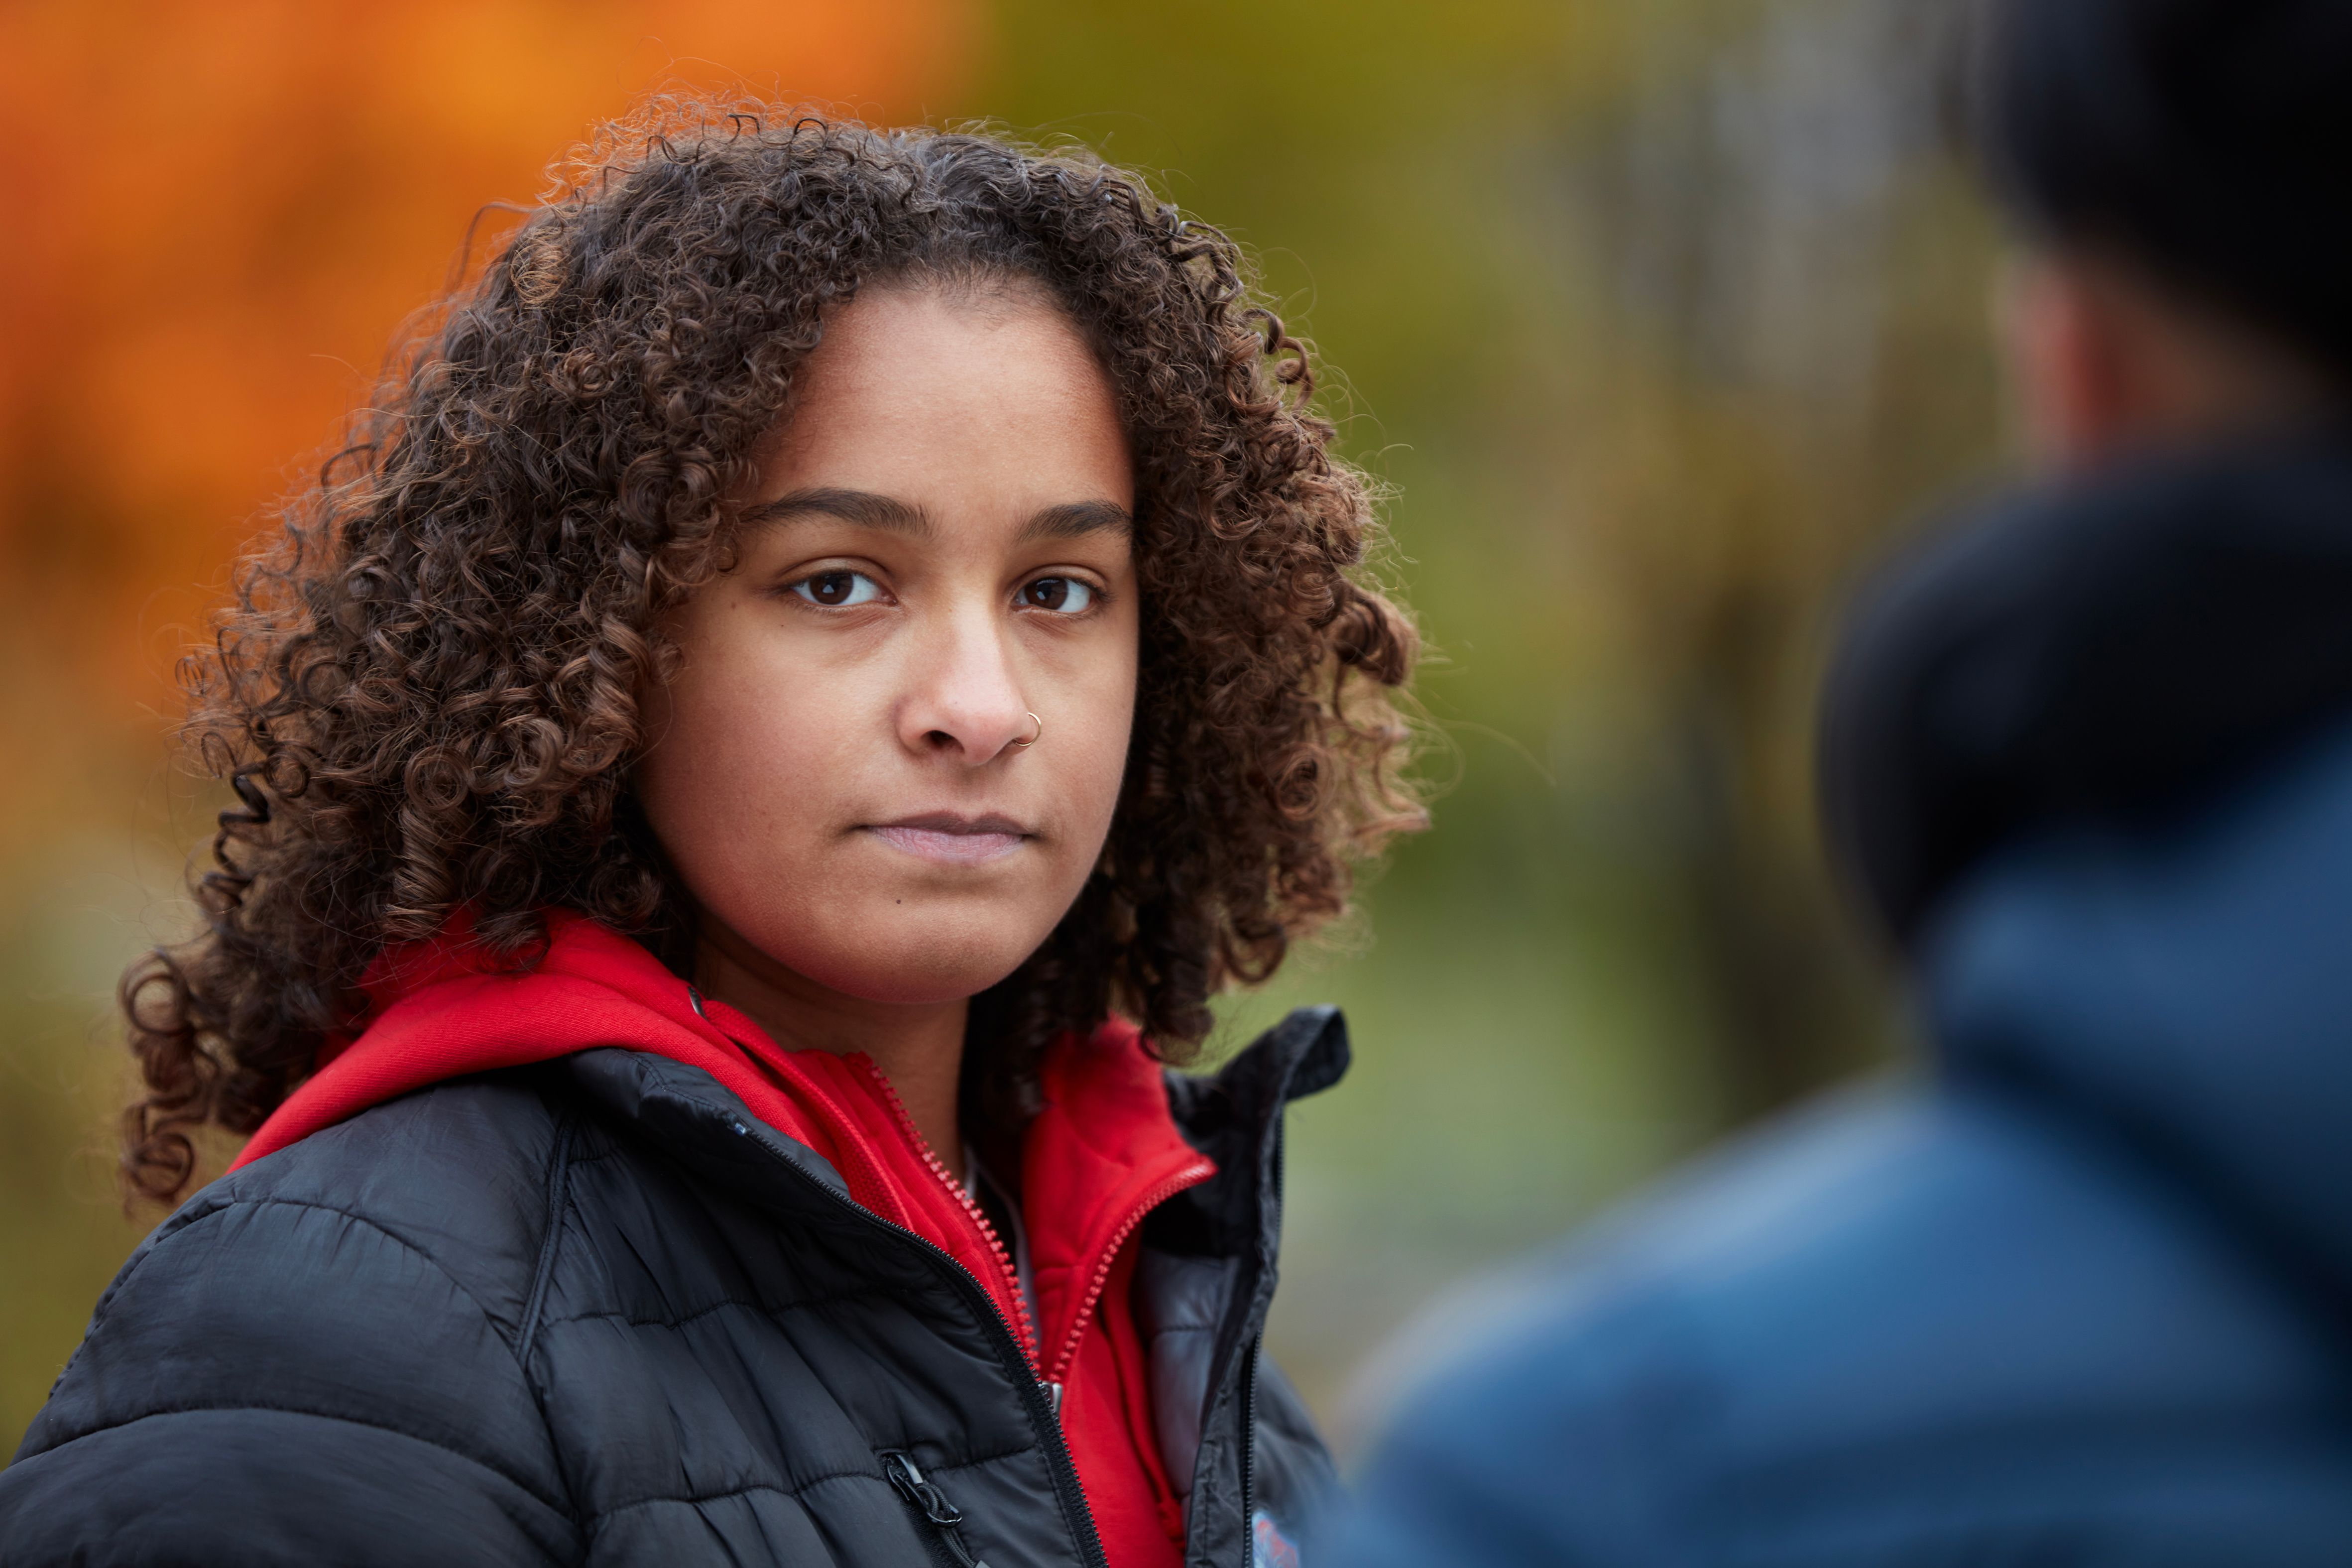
(1007, 351)
(950, 402)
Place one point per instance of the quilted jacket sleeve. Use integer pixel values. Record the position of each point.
(276, 1382)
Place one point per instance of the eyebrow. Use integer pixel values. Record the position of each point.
(865, 508)
(1074, 519)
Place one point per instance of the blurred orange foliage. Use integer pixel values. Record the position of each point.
(215, 214)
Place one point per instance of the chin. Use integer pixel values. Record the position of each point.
(920, 962)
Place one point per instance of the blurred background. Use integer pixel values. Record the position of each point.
(1655, 318)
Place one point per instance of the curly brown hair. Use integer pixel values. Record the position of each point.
(424, 692)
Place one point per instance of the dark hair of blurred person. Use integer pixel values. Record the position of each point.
(2082, 1294)
(2177, 167)
(816, 669)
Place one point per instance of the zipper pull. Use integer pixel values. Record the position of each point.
(942, 1515)
(1053, 1398)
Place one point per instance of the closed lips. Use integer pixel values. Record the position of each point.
(951, 841)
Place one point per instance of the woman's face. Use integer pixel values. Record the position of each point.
(939, 548)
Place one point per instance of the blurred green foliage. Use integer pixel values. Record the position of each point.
(1652, 319)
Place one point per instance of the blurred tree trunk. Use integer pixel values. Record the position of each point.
(1809, 311)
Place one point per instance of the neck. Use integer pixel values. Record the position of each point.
(2119, 362)
(918, 1046)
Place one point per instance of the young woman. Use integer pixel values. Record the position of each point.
(827, 658)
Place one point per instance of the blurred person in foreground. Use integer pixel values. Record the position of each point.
(2086, 1296)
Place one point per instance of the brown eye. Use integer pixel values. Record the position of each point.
(838, 590)
(1062, 595)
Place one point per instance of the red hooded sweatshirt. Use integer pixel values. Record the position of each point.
(1100, 1156)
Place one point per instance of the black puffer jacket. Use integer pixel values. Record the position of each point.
(595, 1313)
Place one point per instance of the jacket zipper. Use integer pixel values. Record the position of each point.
(1043, 1418)
(1249, 1392)
(945, 1519)
(1190, 1176)
(972, 1211)
(1249, 1453)
(1059, 1375)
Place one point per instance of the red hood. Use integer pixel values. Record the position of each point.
(1102, 1152)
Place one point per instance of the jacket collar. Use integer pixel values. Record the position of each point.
(1105, 1151)
(2090, 758)
(2108, 652)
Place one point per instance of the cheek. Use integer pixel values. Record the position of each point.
(735, 746)
(1095, 761)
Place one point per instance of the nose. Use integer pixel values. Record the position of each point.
(963, 699)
